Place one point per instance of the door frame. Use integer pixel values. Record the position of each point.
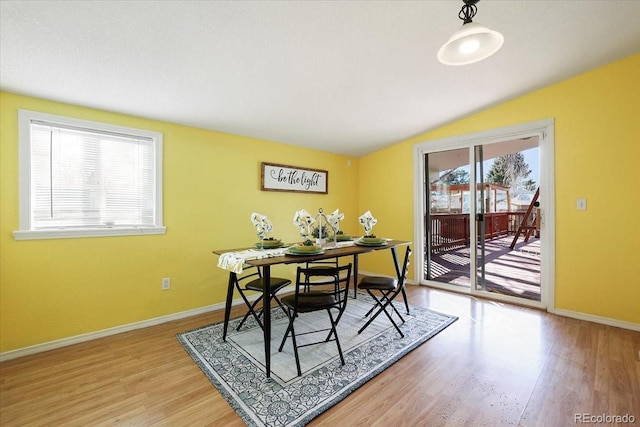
(544, 130)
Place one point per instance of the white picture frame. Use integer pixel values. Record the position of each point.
(277, 177)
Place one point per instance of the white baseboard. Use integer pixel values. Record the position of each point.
(568, 313)
(51, 345)
(596, 319)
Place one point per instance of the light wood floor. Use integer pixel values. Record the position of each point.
(498, 365)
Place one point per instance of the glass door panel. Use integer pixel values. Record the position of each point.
(484, 241)
(482, 205)
(507, 252)
(447, 252)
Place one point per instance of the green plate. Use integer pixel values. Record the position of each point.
(293, 251)
(361, 242)
(269, 245)
(344, 238)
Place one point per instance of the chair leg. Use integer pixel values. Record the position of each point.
(371, 309)
(293, 341)
(383, 308)
(384, 296)
(277, 300)
(343, 306)
(286, 333)
(393, 306)
(332, 330)
(279, 303)
(335, 333)
(295, 350)
(406, 301)
(251, 311)
(292, 316)
(244, 319)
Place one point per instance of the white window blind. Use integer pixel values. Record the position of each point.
(89, 176)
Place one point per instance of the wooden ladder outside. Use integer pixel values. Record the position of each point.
(525, 220)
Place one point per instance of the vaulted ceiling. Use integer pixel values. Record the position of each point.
(348, 77)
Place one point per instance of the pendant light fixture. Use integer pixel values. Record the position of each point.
(473, 42)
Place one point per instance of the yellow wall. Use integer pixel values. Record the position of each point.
(597, 153)
(54, 289)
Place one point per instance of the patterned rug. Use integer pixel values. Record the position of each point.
(236, 367)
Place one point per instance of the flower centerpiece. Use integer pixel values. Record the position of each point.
(334, 219)
(304, 221)
(368, 221)
(320, 232)
(263, 228)
(324, 230)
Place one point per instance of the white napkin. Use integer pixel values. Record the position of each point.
(367, 221)
(234, 261)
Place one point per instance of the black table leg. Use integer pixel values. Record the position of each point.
(227, 307)
(355, 276)
(266, 310)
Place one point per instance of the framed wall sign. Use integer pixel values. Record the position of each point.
(291, 178)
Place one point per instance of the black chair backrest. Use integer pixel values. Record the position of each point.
(331, 262)
(306, 274)
(306, 279)
(249, 272)
(324, 263)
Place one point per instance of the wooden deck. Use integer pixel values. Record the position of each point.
(508, 271)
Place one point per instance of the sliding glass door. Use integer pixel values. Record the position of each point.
(481, 214)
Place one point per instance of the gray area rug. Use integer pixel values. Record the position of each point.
(236, 367)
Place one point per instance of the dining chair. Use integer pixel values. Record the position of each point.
(252, 280)
(384, 290)
(314, 292)
(323, 263)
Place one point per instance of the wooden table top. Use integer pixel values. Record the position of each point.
(328, 253)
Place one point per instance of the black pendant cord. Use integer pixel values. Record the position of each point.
(468, 11)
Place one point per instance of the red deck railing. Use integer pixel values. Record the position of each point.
(449, 231)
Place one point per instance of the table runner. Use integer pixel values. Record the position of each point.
(234, 261)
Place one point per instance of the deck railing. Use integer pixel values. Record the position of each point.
(449, 231)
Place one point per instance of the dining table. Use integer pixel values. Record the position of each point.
(339, 251)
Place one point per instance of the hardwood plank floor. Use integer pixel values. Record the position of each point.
(498, 365)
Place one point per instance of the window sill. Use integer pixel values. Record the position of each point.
(71, 233)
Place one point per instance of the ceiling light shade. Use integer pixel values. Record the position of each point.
(473, 42)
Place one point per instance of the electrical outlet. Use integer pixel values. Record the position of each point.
(166, 283)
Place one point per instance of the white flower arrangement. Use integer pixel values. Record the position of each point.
(303, 220)
(262, 224)
(334, 219)
(367, 221)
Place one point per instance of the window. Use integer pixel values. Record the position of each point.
(87, 179)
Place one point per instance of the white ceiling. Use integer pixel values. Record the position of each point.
(347, 77)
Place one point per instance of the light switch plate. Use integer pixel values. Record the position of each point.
(581, 204)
